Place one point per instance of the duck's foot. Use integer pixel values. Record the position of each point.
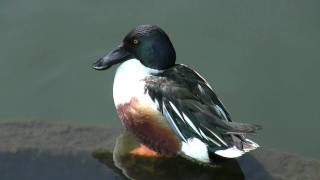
(143, 150)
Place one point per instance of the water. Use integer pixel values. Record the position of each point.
(38, 166)
(262, 57)
(42, 150)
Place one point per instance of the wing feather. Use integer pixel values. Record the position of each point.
(193, 110)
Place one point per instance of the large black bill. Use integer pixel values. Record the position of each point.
(114, 57)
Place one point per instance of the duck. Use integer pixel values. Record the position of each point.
(169, 107)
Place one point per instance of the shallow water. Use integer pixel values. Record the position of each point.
(35, 165)
(261, 57)
(38, 150)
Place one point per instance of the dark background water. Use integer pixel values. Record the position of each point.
(262, 57)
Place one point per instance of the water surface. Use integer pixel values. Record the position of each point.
(41, 150)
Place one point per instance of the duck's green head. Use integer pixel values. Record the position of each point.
(147, 43)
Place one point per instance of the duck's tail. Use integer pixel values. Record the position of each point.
(241, 147)
(249, 145)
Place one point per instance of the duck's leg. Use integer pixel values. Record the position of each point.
(143, 150)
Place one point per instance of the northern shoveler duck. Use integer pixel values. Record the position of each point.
(169, 107)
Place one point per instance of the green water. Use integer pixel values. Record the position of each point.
(262, 57)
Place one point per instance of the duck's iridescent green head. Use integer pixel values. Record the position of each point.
(147, 43)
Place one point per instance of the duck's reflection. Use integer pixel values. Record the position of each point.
(138, 167)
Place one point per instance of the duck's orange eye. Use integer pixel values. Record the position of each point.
(135, 41)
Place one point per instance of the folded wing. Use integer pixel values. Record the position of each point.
(194, 111)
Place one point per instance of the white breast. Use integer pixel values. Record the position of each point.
(128, 82)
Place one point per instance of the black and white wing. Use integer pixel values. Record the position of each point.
(194, 111)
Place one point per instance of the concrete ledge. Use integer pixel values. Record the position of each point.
(34, 142)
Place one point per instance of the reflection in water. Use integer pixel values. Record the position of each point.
(137, 167)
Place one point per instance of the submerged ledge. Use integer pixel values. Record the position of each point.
(72, 146)
(56, 137)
